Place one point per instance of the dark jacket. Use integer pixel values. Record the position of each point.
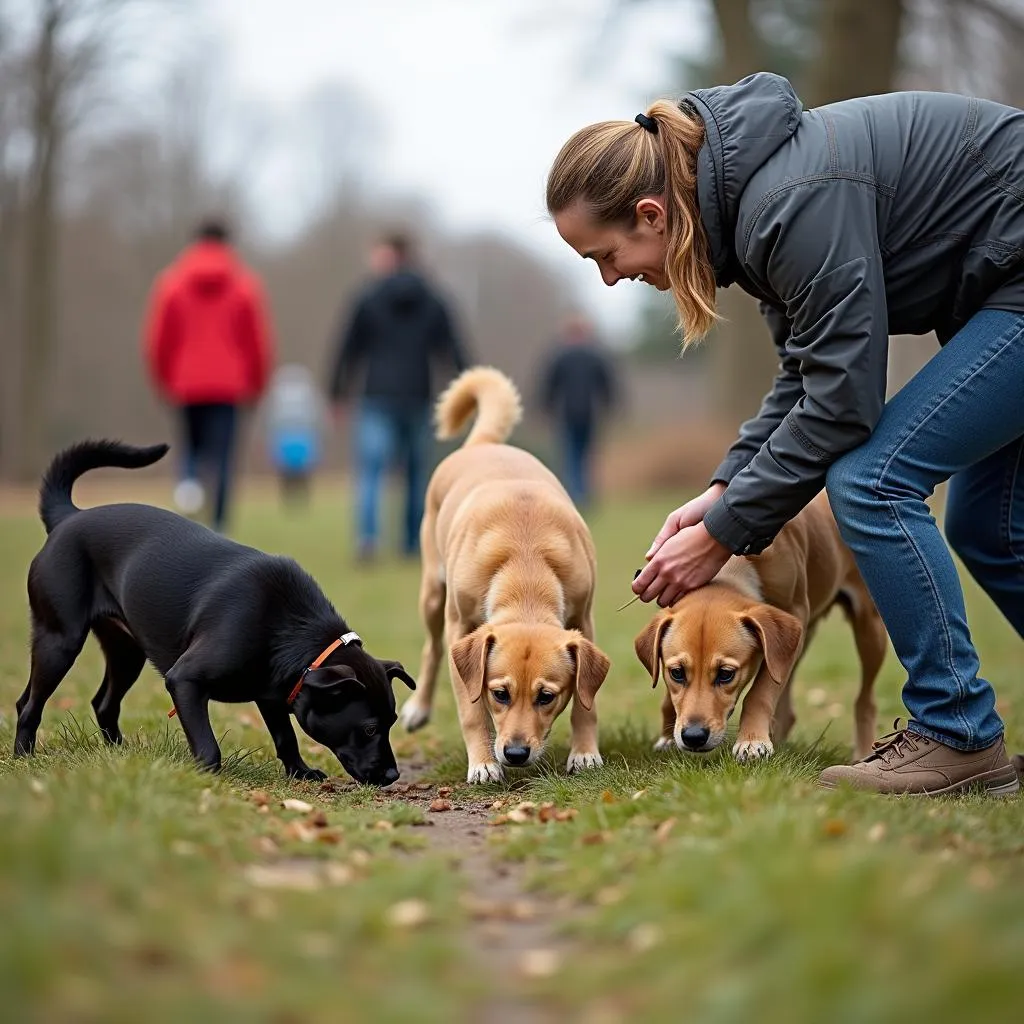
(577, 386)
(900, 214)
(398, 330)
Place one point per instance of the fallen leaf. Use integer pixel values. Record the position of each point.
(539, 963)
(259, 797)
(497, 805)
(299, 806)
(408, 914)
(445, 791)
(546, 813)
(422, 785)
(834, 827)
(501, 819)
(383, 825)
(300, 831)
(37, 786)
(401, 787)
(643, 937)
(661, 833)
(567, 814)
(331, 836)
(294, 876)
(638, 794)
(608, 797)
(876, 832)
(440, 805)
(593, 838)
(317, 820)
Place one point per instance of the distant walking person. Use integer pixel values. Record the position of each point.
(209, 349)
(294, 421)
(578, 391)
(398, 332)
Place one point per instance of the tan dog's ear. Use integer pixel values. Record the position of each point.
(648, 646)
(780, 635)
(591, 669)
(470, 655)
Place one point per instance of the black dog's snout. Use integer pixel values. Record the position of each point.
(516, 754)
(391, 775)
(695, 736)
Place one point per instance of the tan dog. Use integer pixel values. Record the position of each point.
(750, 625)
(508, 574)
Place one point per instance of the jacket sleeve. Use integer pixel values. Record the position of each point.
(258, 338)
(351, 351)
(161, 338)
(815, 246)
(448, 343)
(787, 390)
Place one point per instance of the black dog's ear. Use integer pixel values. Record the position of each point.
(332, 679)
(395, 670)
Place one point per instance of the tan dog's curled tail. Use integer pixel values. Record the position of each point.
(487, 392)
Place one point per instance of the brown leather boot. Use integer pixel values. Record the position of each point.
(905, 762)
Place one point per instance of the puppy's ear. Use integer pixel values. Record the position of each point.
(591, 669)
(395, 670)
(470, 656)
(780, 635)
(648, 646)
(330, 679)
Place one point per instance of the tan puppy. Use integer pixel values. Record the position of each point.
(750, 625)
(508, 574)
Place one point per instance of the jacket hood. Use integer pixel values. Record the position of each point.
(402, 291)
(745, 124)
(208, 267)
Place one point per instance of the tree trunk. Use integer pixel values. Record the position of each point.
(860, 50)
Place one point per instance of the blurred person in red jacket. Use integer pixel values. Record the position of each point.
(209, 349)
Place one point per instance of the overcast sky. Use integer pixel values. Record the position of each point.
(474, 97)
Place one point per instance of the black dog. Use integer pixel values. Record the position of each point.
(218, 620)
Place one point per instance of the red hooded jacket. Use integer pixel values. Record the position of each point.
(208, 336)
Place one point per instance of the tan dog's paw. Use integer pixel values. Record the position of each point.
(413, 716)
(577, 762)
(752, 750)
(486, 771)
(664, 743)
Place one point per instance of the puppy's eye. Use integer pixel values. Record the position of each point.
(545, 697)
(677, 674)
(725, 676)
(370, 729)
(502, 696)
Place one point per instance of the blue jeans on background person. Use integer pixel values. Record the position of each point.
(960, 418)
(386, 434)
(577, 445)
(210, 429)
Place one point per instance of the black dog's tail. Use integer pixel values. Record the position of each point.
(55, 503)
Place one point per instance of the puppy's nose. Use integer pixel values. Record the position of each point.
(516, 754)
(695, 736)
(391, 775)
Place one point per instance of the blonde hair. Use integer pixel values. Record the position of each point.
(612, 165)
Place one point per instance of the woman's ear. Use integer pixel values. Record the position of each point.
(650, 212)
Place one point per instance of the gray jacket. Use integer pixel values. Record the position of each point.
(901, 214)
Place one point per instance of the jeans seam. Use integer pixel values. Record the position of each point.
(1012, 472)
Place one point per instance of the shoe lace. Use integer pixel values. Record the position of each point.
(894, 745)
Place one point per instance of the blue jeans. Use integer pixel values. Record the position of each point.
(386, 434)
(209, 429)
(962, 419)
(577, 443)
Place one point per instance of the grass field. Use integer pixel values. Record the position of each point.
(134, 888)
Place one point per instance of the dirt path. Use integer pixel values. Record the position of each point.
(512, 936)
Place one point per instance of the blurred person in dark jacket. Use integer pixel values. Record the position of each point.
(209, 350)
(577, 392)
(398, 333)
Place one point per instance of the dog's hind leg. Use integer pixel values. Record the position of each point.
(416, 710)
(124, 663)
(187, 684)
(872, 641)
(53, 654)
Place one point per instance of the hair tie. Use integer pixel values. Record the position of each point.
(647, 123)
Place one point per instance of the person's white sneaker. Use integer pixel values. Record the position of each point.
(189, 497)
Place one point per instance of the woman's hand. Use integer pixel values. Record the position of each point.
(683, 562)
(689, 514)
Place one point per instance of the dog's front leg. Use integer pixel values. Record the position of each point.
(192, 705)
(754, 737)
(583, 752)
(275, 714)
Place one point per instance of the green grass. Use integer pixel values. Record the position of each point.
(124, 894)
